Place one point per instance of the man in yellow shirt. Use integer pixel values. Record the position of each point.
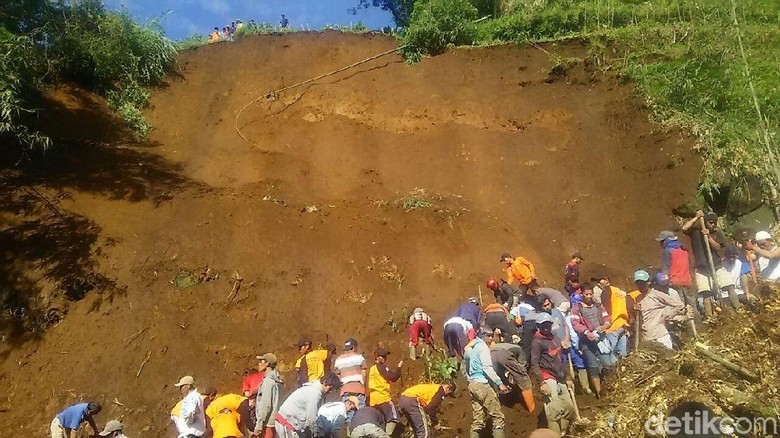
(421, 401)
(313, 364)
(225, 424)
(617, 303)
(379, 378)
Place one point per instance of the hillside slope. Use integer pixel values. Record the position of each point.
(371, 192)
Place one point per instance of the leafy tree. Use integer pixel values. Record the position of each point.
(437, 24)
(400, 9)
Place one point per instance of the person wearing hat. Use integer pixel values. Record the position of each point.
(658, 308)
(480, 374)
(192, 414)
(267, 404)
(769, 252)
(113, 429)
(571, 273)
(253, 381)
(590, 320)
(457, 333)
(68, 421)
(297, 416)
(518, 270)
(548, 368)
(470, 311)
(419, 402)
(704, 275)
(332, 416)
(379, 378)
(420, 327)
(301, 365)
(675, 261)
(352, 369)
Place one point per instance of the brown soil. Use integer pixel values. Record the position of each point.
(509, 156)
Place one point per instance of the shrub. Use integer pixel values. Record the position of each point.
(437, 24)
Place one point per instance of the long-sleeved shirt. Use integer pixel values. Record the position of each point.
(429, 395)
(267, 400)
(479, 366)
(521, 271)
(379, 378)
(546, 362)
(192, 415)
(582, 324)
(300, 408)
(420, 316)
(657, 308)
(470, 312)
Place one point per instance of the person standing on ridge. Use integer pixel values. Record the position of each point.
(548, 368)
(69, 420)
(421, 401)
(379, 378)
(518, 270)
(352, 369)
(284, 22)
(420, 327)
(571, 273)
(297, 416)
(268, 399)
(480, 373)
(704, 275)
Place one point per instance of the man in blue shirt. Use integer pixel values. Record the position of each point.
(480, 374)
(470, 312)
(68, 421)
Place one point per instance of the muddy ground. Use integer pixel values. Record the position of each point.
(364, 195)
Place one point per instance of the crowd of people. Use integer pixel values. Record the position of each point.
(531, 340)
(228, 33)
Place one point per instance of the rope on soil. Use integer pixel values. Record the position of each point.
(272, 94)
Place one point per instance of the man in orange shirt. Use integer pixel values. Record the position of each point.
(518, 270)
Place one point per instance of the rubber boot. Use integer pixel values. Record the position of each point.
(595, 382)
(426, 351)
(390, 428)
(583, 377)
(498, 433)
(708, 308)
(474, 434)
(528, 398)
(564, 425)
(412, 352)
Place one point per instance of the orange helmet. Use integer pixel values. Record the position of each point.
(492, 284)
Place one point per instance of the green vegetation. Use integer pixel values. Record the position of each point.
(104, 51)
(684, 55)
(439, 368)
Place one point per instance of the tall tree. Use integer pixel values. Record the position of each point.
(400, 9)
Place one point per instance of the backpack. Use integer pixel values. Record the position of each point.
(680, 268)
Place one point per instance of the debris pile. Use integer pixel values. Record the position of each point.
(732, 368)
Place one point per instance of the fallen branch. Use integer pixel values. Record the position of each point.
(730, 365)
(117, 402)
(237, 280)
(134, 335)
(148, 355)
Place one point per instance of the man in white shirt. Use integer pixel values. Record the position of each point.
(457, 332)
(191, 419)
(332, 416)
(769, 255)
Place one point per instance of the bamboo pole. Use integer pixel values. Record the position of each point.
(730, 365)
(571, 391)
(712, 264)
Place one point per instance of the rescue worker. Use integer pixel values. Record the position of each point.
(571, 273)
(675, 262)
(470, 311)
(497, 321)
(560, 301)
(268, 399)
(214, 37)
(313, 364)
(457, 333)
(367, 423)
(225, 424)
(226, 401)
(591, 320)
(617, 302)
(192, 415)
(525, 316)
(509, 362)
(480, 374)
(68, 421)
(247, 413)
(548, 368)
(379, 378)
(658, 308)
(422, 401)
(297, 416)
(420, 327)
(253, 381)
(352, 369)
(505, 293)
(518, 270)
(769, 255)
(332, 416)
(113, 429)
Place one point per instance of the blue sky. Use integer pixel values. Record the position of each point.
(188, 17)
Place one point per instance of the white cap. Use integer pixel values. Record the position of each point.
(763, 235)
(111, 426)
(186, 380)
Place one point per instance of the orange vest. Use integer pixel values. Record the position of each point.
(378, 387)
(521, 270)
(618, 311)
(423, 393)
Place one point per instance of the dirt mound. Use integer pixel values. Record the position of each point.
(374, 191)
(654, 381)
